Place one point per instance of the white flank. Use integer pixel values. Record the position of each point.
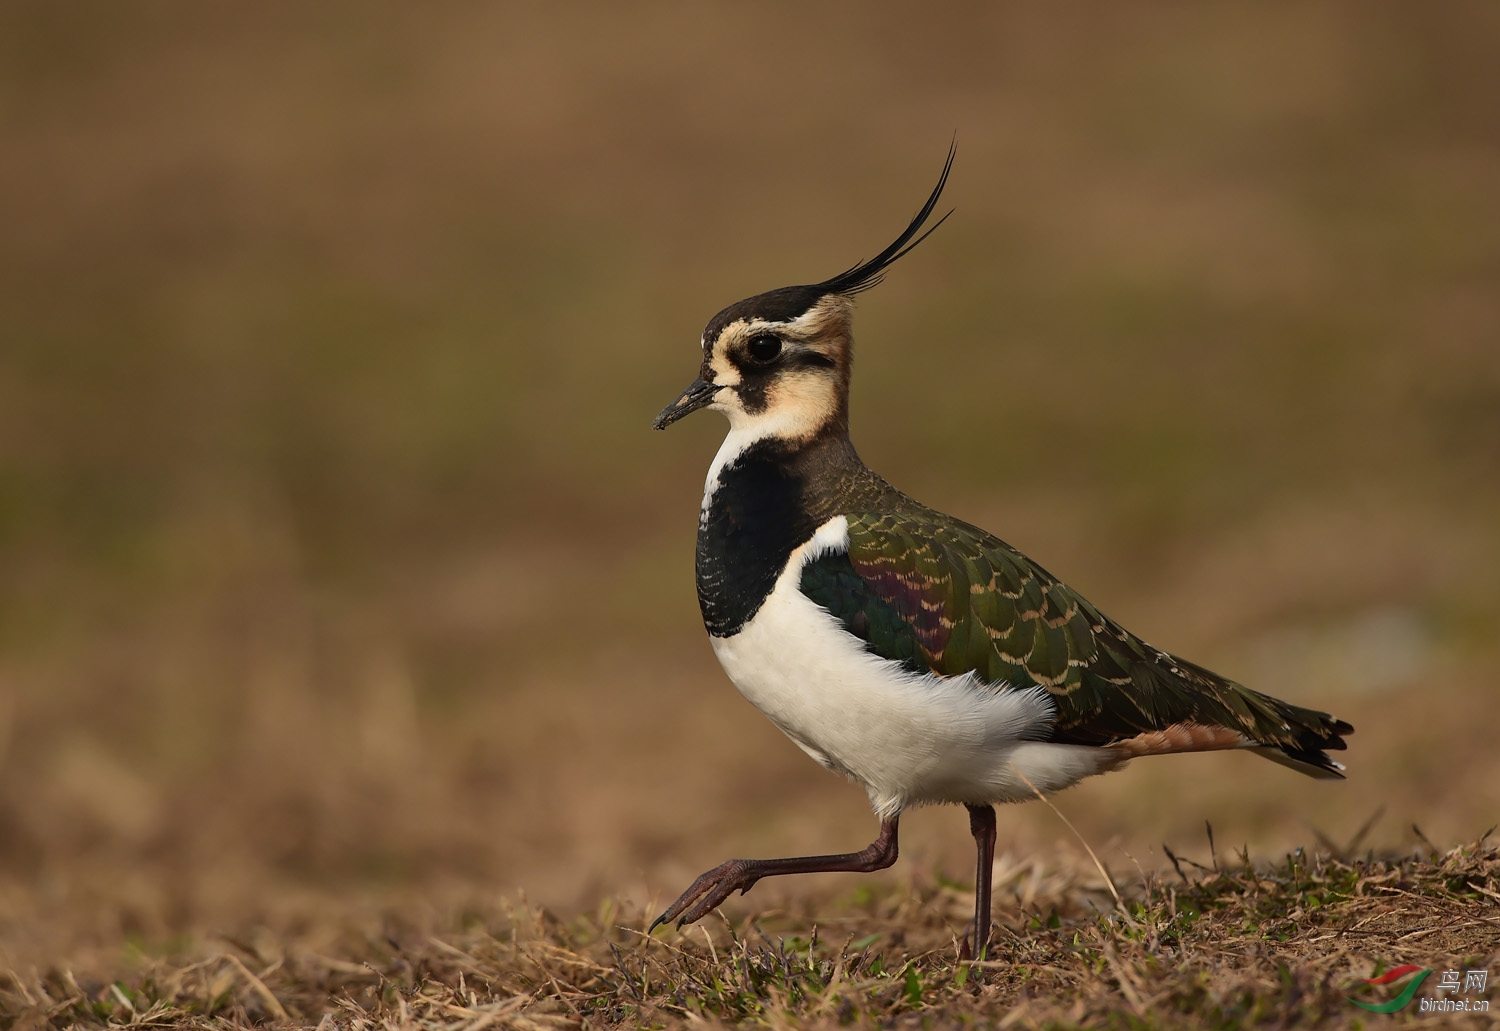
(909, 738)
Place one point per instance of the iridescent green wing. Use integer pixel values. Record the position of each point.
(941, 596)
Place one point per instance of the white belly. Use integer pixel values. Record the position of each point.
(908, 738)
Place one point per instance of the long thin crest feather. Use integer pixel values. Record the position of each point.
(869, 273)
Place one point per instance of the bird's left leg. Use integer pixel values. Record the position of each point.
(740, 875)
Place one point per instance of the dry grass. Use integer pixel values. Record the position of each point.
(1223, 943)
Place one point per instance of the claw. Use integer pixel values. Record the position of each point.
(707, 893)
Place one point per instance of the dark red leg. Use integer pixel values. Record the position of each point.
(708, 891)
(982, 826)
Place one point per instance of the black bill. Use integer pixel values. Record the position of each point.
(700, 394)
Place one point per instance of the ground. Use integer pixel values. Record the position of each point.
(1222, 943)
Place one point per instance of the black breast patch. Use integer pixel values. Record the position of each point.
(755, 521)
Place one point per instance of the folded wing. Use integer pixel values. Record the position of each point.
(942, 596)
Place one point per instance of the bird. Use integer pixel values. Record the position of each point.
(915, 654)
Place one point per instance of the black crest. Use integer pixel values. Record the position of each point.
(869, 273)
(790, 302)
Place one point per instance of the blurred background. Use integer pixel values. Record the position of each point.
(337, 557)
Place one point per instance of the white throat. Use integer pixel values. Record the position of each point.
(735, 444)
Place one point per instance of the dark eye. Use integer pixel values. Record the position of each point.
(764, 348)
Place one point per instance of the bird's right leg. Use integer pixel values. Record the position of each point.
(708, 891)
(982, 826)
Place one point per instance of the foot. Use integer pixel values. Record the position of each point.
(966, 955)
(709, 891)
(724, 880)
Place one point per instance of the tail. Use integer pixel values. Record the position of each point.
(1221, 714)
(1303, 739)
(1297, 738)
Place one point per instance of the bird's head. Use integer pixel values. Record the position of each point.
(778, 364)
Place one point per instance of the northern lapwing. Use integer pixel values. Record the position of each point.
(915, 654)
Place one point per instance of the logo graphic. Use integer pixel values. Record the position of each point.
(1390, 977)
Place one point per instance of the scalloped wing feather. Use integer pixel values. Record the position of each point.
(942, 596)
